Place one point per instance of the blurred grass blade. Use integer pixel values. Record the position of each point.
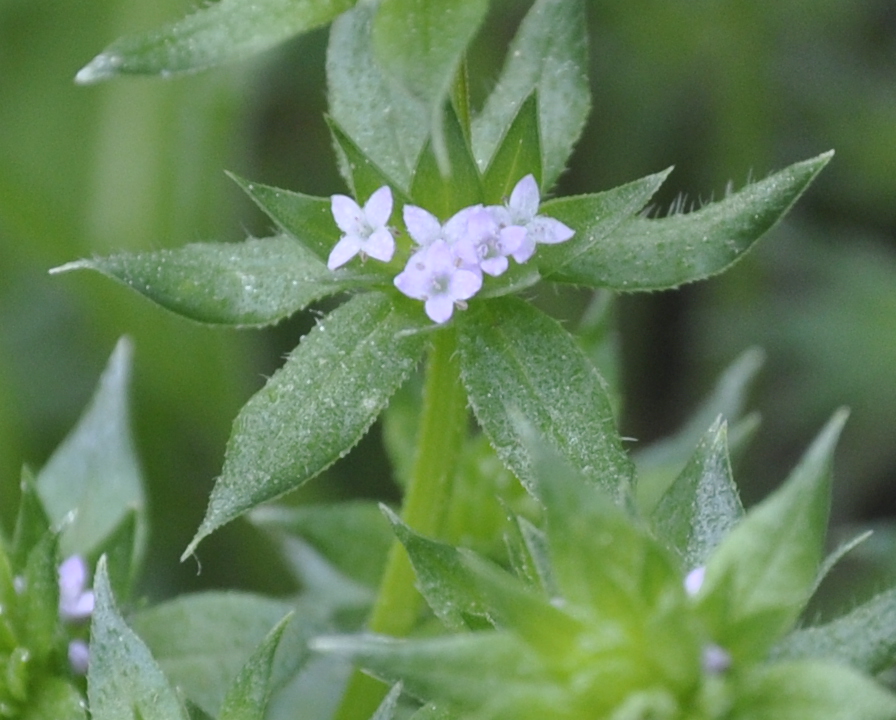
(646, 254)
(218, 33)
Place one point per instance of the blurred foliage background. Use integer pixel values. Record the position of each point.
(725, 90)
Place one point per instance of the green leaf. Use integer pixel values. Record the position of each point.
(518, 155)
(253, 283)
(442, 577)
(646, 254)
(225, 31)
(661, 462)
(38, 603)
(515, 359)
(443, 194)
(422, 43)
(470, 669)
(120, 550)
(702, 506)
(248, 697)
(594, 218)
(55, 699)
(202, 640)
(386, 121)
(820, 691)
(316, 407)
(32, 522)
(124, 682)
(93, 479)
(386, 709)
(549, 56)
(759, 579)
(307, 218)
(362, 174)
(352, 535)
(864, 638)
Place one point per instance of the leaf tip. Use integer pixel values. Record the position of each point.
(69, 266)
(102, 67)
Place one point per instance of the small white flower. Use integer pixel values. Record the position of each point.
(364, 229)
(694, 580)
(521, 210)
(76, 600)
(435, 274)
(492, 243)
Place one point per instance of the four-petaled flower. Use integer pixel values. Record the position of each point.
(435, 275)
(365, 230)
(520, 210)
(447, 268)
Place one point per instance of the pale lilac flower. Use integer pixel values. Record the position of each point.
(521, 211)
(492, 243)
(75, 598)
(694, 580)
(715, 659)
(78, 656)
(364, 229)
(435, 274)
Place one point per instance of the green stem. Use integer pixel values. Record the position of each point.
(443, 424)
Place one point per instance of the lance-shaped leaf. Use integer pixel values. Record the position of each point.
(702, 505)
(442, 578)
(759, 579)
(516, 360)
(316, 407)
(443, 194)
(518, 155)
(307, 218)
(224, 31)
(421, 43)
(253, 283)
(471, 668)
(124, 682)
(247, 697)
(864, 638)
(54, 699)
(39, 600)
(386, 121)
(202, 640)
(817, 690)
(593, 217)
(361, 173)
(549, 55)
(93, 479)
(646, 254)
(32, 522)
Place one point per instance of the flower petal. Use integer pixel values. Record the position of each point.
(464, 284)
(380, 245)
(422, 225)
(548, 231)
(524, 199)
(347, 214)
(439, 308)
(378, 207)
(343, 251)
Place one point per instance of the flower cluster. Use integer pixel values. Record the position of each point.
(447, 267)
